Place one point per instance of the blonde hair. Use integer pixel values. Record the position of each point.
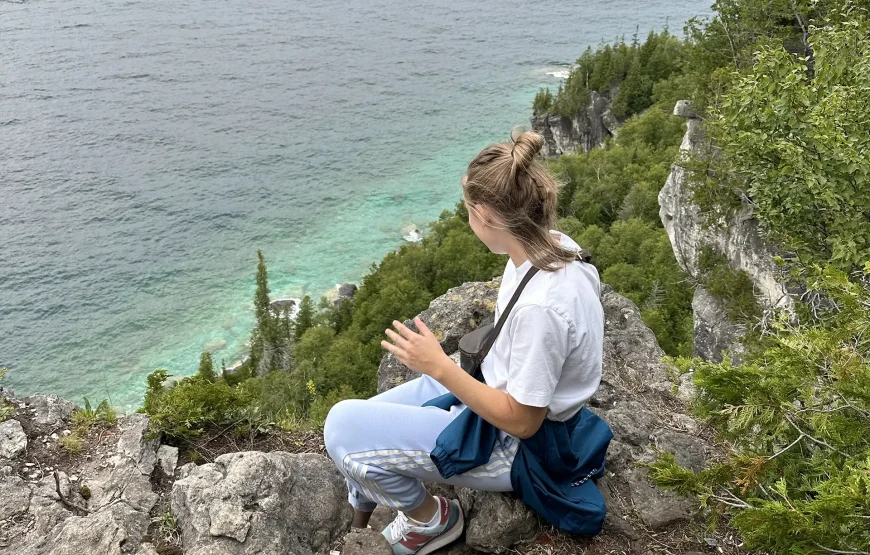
(521, 194)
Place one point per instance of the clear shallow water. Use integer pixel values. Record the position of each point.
(147, 150)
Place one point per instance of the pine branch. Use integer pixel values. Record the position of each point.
(789, 446)
(811, 438)
(829, 550)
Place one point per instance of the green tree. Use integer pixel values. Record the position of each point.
(304, 316)
(795, 127)
(543, 102)
(262, 304)
(206, 367)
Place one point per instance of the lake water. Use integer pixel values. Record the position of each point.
(148, 149)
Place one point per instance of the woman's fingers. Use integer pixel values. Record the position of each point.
(397, 352)
(406, 333)
(392, 348)
(398, 339)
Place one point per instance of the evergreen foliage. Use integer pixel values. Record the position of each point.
(797, 420)
(273, 334)
(733, 287)
(7, 409)
(206, 368)
(191, 406)
(627, 73)
(543, 102)
(305, 316)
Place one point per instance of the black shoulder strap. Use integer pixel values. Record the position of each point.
(503, 318)
(583, 255)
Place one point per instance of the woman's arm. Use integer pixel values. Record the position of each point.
(496, 407)
(422, 352)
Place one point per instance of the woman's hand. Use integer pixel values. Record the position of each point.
(418, 351)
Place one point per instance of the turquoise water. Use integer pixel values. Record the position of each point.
(149, 150)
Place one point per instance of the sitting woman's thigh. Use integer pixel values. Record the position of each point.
(414, 392)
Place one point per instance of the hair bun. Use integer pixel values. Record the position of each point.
(526, 146)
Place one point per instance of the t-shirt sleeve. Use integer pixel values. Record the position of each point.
(539, 348)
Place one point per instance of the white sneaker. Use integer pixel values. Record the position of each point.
(407, 538)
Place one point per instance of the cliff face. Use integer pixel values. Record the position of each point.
(585, 131)
(738, 237)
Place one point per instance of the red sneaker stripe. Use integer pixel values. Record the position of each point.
(445, 510)
(415, 541)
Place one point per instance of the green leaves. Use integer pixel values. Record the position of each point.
(799, 137)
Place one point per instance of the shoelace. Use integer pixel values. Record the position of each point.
(399, 527)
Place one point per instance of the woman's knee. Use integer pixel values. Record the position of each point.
(340, 424)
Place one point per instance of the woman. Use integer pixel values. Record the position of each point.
(544, 365)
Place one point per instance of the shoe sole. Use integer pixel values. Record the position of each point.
(446, 538)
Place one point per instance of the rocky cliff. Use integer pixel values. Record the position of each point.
(588, 129)
(115, 496)
(738, 237)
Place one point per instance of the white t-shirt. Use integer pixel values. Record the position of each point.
(549, 351)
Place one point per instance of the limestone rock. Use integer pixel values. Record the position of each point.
(127, 475)
(172, 381)
(631, 423)
(714, 333)
(14, 495)
(340, 293)
(234, 367)
(13, 440)
(689, 451)
(450, 316)
(167, 456)
(586, 130)
(366, 542)
(656, 507)
(281, 305)
(615, 521)
(110, 531)
(268, 503)
(738, 236)
(146, 549)
(632, 356)
(381, 517)
(186, 469)
(684, 109)
(49, 410)
(495, 521)
(346, 291)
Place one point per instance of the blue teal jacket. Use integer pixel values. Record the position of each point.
(552, 471)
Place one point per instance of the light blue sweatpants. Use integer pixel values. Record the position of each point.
(382, 447)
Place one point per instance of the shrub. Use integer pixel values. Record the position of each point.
(796, 419)
(7, 410)
(795, 128)
(634, 68)
(85, 418)
(71, 444)
(733, 287)
(191, 406)
(543, 102)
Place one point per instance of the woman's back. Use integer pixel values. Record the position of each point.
(550, 350)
